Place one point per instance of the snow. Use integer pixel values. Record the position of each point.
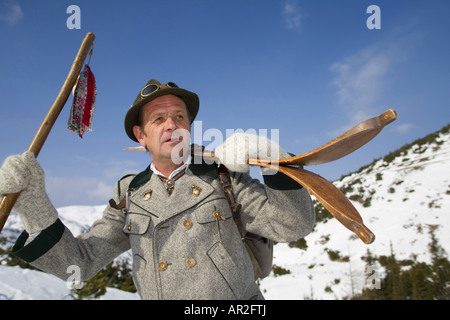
(25, 284)
(411, 193)
(407, 195)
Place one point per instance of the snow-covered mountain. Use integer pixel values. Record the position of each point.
(25, 284)
(399, 197)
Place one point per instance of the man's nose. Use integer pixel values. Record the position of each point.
(170, 124)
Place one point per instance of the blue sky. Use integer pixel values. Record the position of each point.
(308, 68)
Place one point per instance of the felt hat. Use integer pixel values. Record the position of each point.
(152, 90)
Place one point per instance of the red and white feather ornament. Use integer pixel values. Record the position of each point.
(83, 104)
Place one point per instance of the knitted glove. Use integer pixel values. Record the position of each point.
(22, 173)
(237, 149)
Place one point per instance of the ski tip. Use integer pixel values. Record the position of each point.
(364, 234)
(388, 117)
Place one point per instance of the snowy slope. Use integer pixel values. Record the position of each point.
(25, 284)
(406, 196)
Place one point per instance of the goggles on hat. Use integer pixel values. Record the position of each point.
(149, 89)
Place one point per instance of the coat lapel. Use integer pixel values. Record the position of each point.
(189, 192)
(149, 198)
(152, 197)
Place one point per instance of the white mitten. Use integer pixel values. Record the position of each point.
(22, 173)
(237, 149)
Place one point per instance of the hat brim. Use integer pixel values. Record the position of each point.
(190, 99)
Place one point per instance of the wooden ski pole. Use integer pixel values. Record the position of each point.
(8, 201)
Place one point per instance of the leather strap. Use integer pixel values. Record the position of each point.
(224, 178)
(119, 206)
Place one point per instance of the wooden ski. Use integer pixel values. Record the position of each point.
(331, 198)
(341, 146)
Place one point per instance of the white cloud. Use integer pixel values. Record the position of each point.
(64, 191)
(365, 80)
(85, 189)
(118, 168)
(360, 81)
(10, 12)
(404, 128)
(100, 193)
(292, 14)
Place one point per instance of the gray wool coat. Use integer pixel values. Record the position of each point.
(180, 248)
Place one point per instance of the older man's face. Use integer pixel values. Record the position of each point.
(160, 118)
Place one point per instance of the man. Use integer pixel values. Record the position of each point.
(174, 215)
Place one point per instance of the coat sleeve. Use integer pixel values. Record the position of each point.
(280, 209)
(55, 249)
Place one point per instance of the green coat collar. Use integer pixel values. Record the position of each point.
(197, 166)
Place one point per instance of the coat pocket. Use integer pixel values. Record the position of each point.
(214, 215)
(227, 268)
(139, 265)
(137, 224)
(210, 211)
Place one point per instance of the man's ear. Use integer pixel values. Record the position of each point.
(139, 134)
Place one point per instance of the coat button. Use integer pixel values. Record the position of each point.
(217, 215)
(190, 262)
(162, 265)
(187, 224)
(129, 227)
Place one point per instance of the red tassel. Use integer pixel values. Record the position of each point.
(83, 105)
